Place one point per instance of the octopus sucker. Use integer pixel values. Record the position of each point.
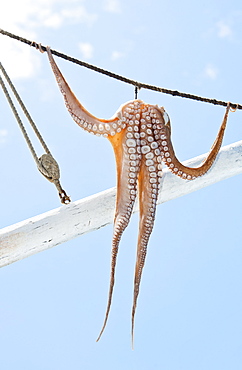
(140, 135)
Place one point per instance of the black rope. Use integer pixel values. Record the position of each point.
(124, 79)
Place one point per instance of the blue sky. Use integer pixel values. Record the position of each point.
(52, 304)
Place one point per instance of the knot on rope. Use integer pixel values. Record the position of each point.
(49, 168)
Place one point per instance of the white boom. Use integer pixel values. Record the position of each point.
(69, 221)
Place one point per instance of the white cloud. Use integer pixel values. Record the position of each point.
(112, 6)
(3, 135)
(52, 18)
(224, 30)
(79, 14)
(211, 72)
(86, 49)
(25, 18)
(18, 59)
(116, 55)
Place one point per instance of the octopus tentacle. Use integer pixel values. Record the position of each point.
(149, 181)
(170, 159)
(148, 194)
(90, 123)
(127, 154)
(126, 194)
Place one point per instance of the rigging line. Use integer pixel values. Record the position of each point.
(46, 164)
(19, 121)
(25, 110)
(124, 79)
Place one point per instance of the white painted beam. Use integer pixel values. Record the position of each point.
(69, 221)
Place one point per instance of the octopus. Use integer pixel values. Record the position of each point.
(140, 135)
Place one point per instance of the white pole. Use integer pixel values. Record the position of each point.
(69, 221)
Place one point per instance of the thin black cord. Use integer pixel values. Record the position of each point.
(137, 84)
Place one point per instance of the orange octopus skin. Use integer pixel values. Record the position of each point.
(141, 138)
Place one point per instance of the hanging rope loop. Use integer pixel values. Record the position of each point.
(232, 109)
(136, 91)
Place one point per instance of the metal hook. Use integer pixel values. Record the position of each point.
(136, 90)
